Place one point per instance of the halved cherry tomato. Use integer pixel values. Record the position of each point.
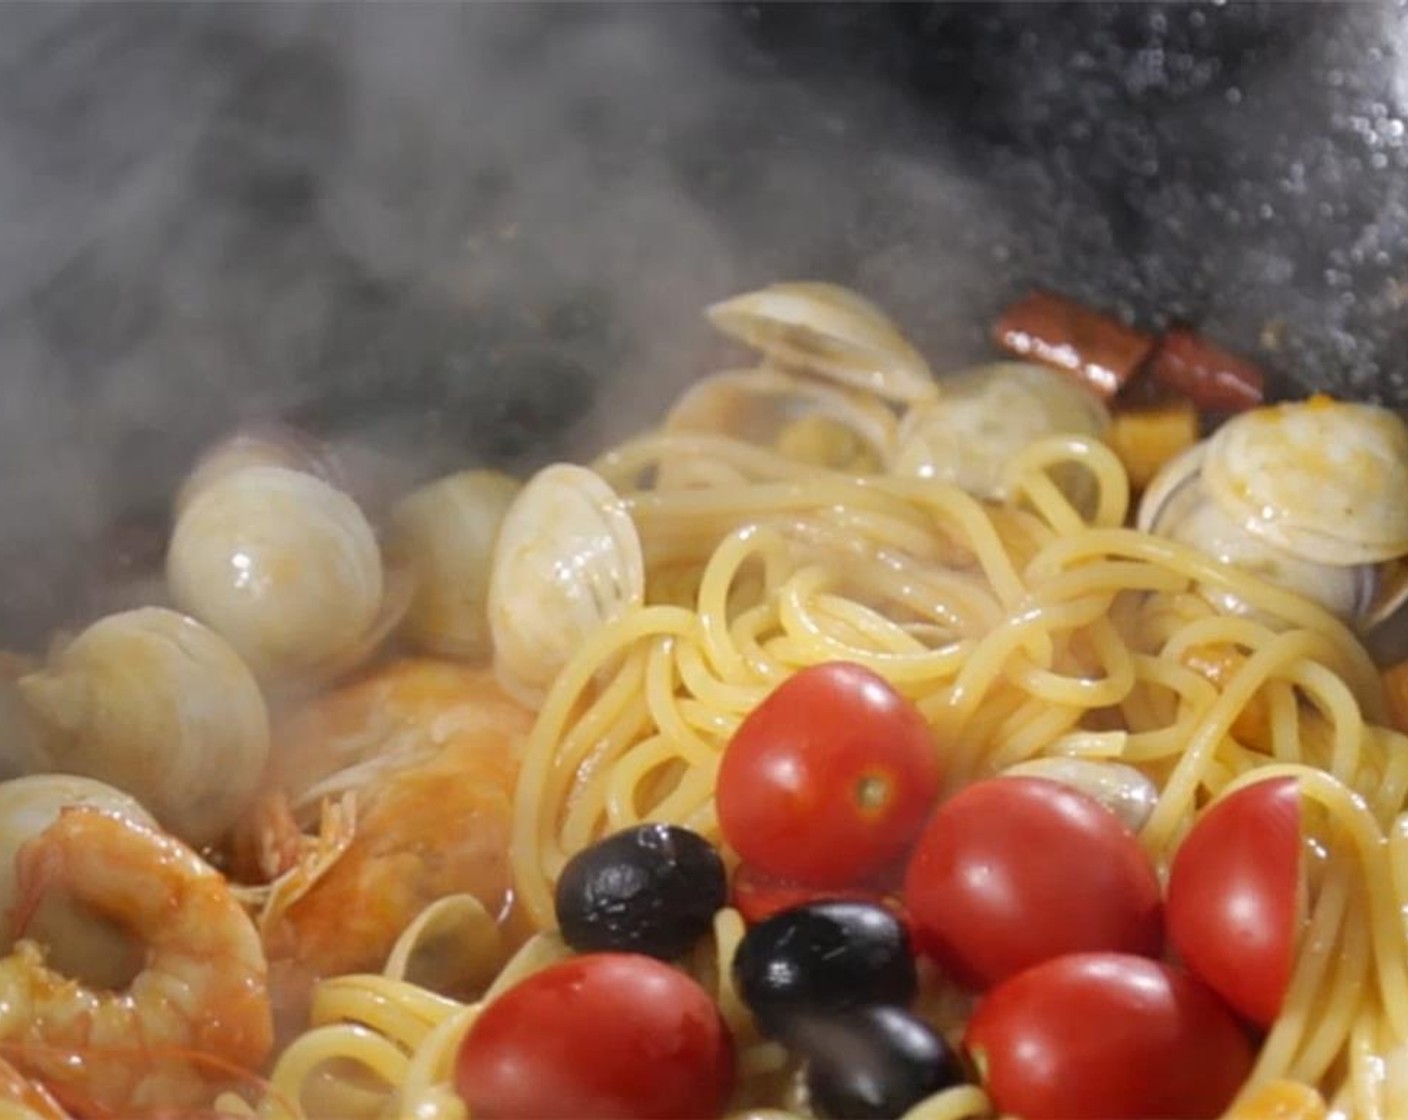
(828, 780)
(605, 1036)
(1235, 895)
(1014, 871)
(1107, 1036)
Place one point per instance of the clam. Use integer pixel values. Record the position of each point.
(567, 562)
(1326, 480)
(445, 532)
(283, 565)
(827, 331)
(159, 706)
(810, 420)
(987, 415)
(260, 445)
(1308, 495)
(1128, 793)
(77, 941)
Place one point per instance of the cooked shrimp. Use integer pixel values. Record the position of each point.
(198, 1011)
(23, 1099)
(429, 750)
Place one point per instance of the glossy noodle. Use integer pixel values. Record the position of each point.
(1034, 625)
(1021, 630)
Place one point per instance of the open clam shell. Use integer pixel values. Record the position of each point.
(831, 332)
(987, 415)
(1178, 505)
(764, 406)
(567, 561)
(1326, 480)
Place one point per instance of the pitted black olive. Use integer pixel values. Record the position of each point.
(873, 1063)
(825, 956)
(650, 889)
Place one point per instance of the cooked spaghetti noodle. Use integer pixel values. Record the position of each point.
(1022, 629)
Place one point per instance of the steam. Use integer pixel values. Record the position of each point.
(464, 234)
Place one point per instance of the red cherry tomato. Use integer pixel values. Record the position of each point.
(828, 780)
(1107, 1036)
(758, 897)
(606, 1036)
(1234, 896)
(1014, 871)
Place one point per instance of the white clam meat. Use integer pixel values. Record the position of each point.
(567, 562)
(986, 416)
(1179, 505)
(77, 941)
(827, 331)
(283, 565)
(1324, 479)
(777, 409)
(444, 532)
(161, 707)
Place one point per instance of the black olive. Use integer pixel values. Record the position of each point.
(825, 956)
(873, 1063)
(651, 889)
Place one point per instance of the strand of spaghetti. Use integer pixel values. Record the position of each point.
(720, 572)
(1113, 683)
(820, 643)
(1029, 472)
(532, 838)
(348, 1045)
(1347, 988)
(657, 511)
(963, 1102)
(1365, 1077)
(661, 683)
(583, 809)
(402, 1012)
(625, 805)
(1349, 656)
(1386, 923)
(860, 531)
(627, 461)
(1101, 577)
(1040, 726)
(1330, 694)
(966, 518)
(992, 657)
(737, 696)
(1318, 946)
(1391, 790)
(424, 1092)
(1283, 720)
(1176, 799)
(745, 633)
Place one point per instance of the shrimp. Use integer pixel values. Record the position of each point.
(198, 1011)
(429, 752)
(23, 1099)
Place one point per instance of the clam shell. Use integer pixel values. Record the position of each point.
(1178, 506)
(1326, 480)
(827, 331)
(757, 405)
(567, 561)
(985, 416)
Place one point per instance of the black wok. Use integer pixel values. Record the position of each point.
(484, 234)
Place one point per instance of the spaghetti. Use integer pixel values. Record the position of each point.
(1032, 627)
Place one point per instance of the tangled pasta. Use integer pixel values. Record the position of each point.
(1012, 600)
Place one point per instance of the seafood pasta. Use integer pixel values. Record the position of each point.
(826, 654)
